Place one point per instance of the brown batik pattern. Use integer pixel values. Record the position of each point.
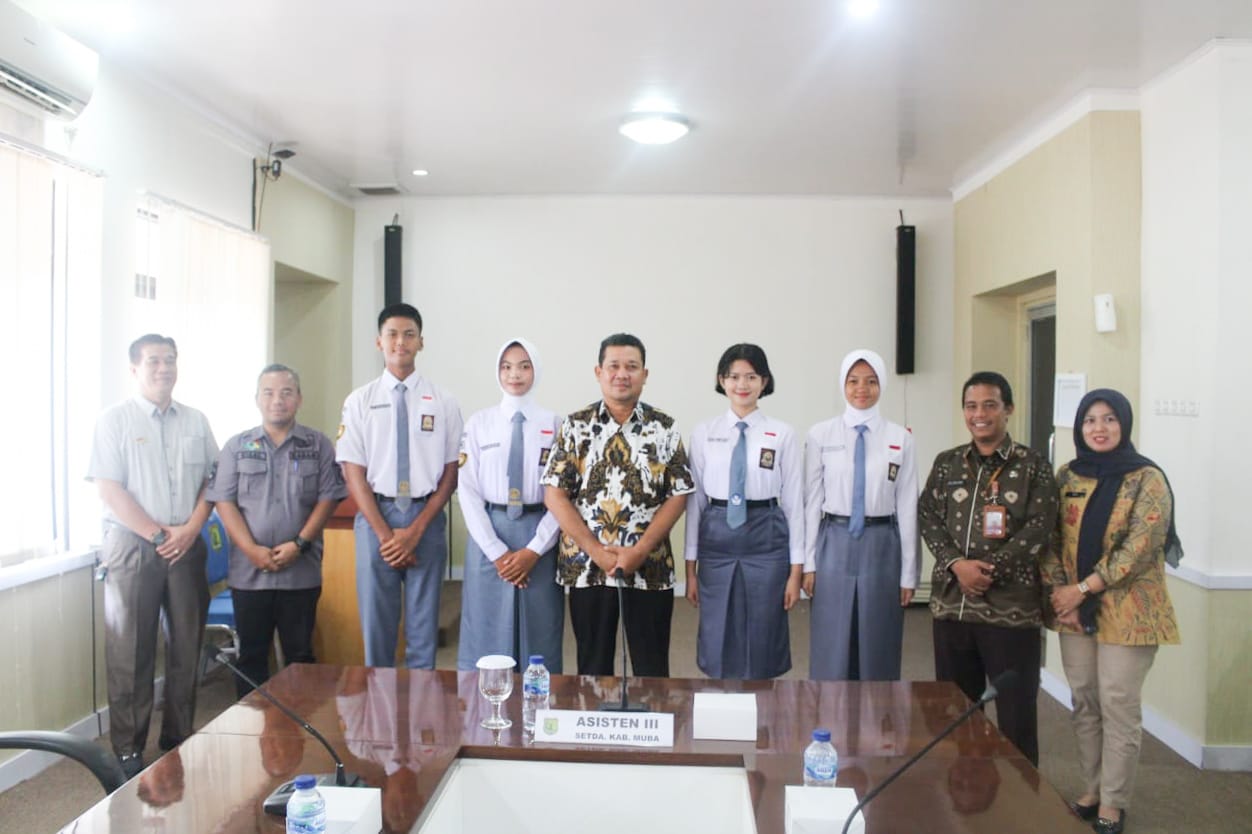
(617, 477)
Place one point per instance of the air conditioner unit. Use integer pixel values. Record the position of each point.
(43, 66)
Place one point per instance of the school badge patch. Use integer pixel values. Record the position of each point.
(339, 433)
(428, 422)
(767, 459)
(893, 469)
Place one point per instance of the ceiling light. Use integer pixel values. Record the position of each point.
(654, 128)
(862, 8)
(420, 172)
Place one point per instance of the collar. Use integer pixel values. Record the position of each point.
(603, 414)
(150, 408)
(756, 418)
(410, 382)
(1002, 451)
(855, 417)
(300, 435)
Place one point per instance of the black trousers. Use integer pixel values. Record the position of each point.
(258, 614)
(969, 654)
(593, 615)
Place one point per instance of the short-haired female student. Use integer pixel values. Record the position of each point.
(745, 526)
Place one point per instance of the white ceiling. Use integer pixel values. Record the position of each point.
(525, 96)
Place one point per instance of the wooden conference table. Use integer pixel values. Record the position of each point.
(401, 729)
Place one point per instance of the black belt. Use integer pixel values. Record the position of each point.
(870, 520)
(526, 508)
(752, 505)
(379, 497)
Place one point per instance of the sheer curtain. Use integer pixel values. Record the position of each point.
(210, 287)
(49, 272)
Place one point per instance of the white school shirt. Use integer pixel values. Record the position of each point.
(774, 471)
(485, 472)
(367, 433)
(828, 473)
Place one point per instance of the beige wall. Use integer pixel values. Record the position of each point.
(47, 682)
(312, 236)
(1070, 209)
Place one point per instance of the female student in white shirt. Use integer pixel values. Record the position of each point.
(745, 526)
(510, 602)
(861, 563)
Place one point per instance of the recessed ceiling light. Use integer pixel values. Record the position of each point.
(862, 8)
(420, 172)
(654, 128)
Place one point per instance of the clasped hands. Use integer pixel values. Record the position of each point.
(1066, 599)
(610, 557)
(179, 539)
(273, 559)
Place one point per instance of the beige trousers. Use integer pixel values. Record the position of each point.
(1106, 682)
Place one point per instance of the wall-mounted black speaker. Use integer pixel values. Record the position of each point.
(393, 235)
(906, 297)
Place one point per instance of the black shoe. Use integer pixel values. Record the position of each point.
(1085, 812)
(1103, 825)
(167, 744)
(131, 764)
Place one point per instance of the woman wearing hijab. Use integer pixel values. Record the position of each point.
(860, 502)
(1106, 572)
(745, 526)
(510, 602)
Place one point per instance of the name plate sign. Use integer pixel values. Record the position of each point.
(626, 729)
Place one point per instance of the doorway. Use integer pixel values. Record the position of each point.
(1041, 362)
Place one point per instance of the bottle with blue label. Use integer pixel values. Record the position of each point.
(306, 810)
(821, 761)
(536, 685)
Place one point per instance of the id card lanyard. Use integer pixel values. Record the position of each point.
(995, 514)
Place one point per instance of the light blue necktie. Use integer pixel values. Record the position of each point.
(517, 454)
(736, 506)
(856, 522)
(404, 495)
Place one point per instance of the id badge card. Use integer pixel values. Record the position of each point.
(993, 521)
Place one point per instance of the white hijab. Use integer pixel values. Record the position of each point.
(510, 401)
(853, 416)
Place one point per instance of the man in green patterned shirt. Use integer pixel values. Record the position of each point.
(987, 513)
(616, 481)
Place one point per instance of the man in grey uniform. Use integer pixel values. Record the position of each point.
(150, 459)
(275, 487)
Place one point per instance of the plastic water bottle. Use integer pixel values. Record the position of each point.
(536, 684)
(821, 761)
(306, 810)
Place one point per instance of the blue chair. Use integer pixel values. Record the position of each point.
(221, 620)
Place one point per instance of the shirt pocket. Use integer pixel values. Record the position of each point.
(308, 488)
(193, 450)
(252, 476)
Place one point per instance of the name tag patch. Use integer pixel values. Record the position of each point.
(249, 454)
(304, 454)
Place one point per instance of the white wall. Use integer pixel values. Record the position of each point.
(1197, 208)
(806, 278)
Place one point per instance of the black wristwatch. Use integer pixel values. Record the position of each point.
(302, 544)
(160, 537)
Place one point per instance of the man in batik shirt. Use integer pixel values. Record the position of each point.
(616, 480)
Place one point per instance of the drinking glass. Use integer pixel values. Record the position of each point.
(495, 682)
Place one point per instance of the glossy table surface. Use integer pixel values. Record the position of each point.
(401, 729)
